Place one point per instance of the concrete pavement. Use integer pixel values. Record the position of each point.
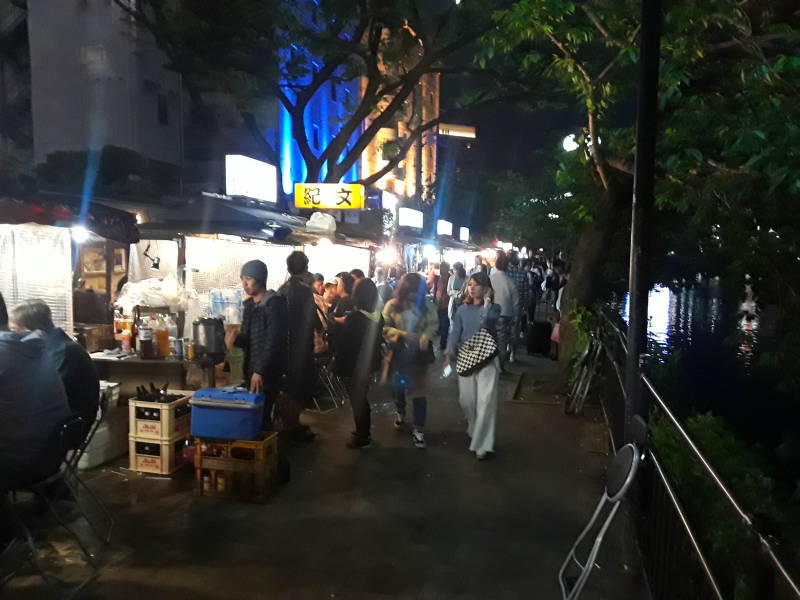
(388, 522)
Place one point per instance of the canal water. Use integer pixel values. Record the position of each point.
(704, 352)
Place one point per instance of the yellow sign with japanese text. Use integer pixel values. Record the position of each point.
(335, 196)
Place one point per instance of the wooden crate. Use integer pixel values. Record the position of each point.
(160, 421)
(162, 457)
(246, 470)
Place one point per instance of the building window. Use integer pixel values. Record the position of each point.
(163, 109)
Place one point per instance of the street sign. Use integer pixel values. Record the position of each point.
(336, 196)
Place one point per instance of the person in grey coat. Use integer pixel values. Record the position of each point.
(477, 392)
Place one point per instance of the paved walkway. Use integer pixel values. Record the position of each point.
(388, 522)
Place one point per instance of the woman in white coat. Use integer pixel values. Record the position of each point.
(477, 392)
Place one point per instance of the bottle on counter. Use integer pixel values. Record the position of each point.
(161, 336)
(145, 347)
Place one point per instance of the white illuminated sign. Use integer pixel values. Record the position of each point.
(444, 227)
(463, 234)
(453, 130)
(408, 217)
(245, 176)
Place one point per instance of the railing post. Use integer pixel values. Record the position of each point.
(639, 281)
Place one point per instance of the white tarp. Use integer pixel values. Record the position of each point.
(36, 262)
(140, 267)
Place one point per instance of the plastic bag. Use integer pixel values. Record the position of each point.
(321, 223)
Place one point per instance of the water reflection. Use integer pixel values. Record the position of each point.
(677, 318)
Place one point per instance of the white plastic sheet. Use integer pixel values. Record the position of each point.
(36, 262)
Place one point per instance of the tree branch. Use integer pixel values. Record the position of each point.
(571, 56)
(599, 26)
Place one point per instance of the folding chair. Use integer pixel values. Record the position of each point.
(620, 476)
(73, 479)
(66, 440)
(70, 437)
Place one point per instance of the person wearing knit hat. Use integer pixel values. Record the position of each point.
(264, 336)
(256, 270)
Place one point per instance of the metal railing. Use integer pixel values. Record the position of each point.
(673, 538)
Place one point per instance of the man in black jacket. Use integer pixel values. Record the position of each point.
(263, 337)
(301, 375)
(73, 363)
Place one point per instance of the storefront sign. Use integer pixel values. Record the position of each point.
(463, 234)
(444, 227)
(245, 176)
(337, 196)
(408, 217)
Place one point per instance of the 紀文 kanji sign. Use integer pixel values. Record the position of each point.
(336, 196)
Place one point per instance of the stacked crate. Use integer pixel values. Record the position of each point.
(236, 468)
(158, 434)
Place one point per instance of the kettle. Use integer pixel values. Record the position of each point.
(209, 338)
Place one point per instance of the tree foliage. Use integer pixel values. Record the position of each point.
(728, 160)
(256, 50)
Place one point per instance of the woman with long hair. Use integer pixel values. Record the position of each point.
(410, 324)
(477, 392)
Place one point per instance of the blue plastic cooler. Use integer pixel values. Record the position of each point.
(228, 413)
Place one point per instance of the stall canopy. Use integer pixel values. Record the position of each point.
(64, 210)
(215, 213)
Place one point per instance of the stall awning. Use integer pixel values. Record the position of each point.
(64, 210)
(214, 213)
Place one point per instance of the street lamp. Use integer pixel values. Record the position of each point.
(569, 144)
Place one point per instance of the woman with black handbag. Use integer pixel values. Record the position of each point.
(410, 324)
(472, 345)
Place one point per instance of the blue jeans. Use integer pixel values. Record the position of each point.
(419, 404)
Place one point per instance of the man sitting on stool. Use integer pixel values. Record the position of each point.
(32, 405)
(72, 362)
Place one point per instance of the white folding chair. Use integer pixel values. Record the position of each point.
(620, 477)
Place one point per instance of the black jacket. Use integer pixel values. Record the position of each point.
(78, 374)
(357, 347)
(265, 336)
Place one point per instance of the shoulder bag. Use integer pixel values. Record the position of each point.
(476, 352)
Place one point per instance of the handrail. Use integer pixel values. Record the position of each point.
(742, 514)
(676, 503)
(623, 339)
(765, 545)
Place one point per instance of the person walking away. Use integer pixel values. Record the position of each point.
(477, 267)
(477, 392)
(264, 336)
(520, 279)
(383, 286)
(506, 295)
(357, 275)
(442, 304)
(73, 363)
(455, 289)
(410, 323)
(300, 372)
(357, 348)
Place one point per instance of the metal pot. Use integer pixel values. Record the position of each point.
(209, 337)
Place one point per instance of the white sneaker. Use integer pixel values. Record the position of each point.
(511, 357)
(419, 439)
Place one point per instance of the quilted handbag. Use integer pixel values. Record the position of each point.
(476, 352)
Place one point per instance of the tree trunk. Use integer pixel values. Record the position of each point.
(585, 286)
